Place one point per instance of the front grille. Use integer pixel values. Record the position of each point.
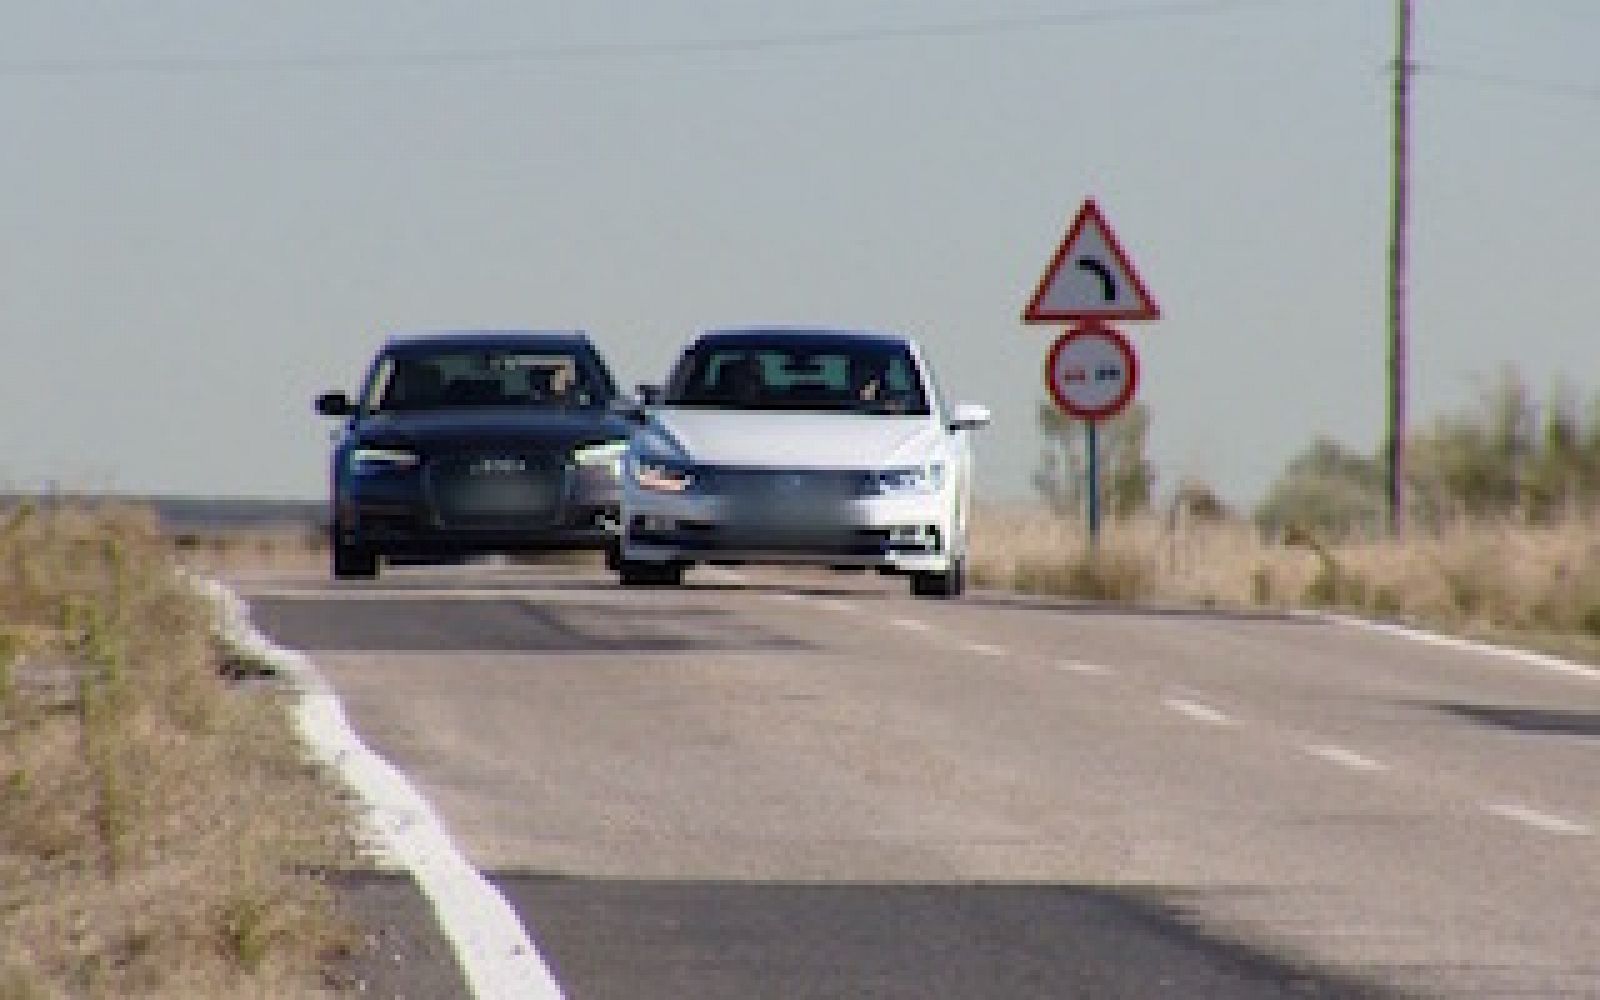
(497, 490)
(729, 479)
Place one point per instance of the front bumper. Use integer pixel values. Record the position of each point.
(410, 514)
(910, 533)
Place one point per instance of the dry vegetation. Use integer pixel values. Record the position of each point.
(158, 825)
(1537, 583)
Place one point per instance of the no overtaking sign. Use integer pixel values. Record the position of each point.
(1091, 372)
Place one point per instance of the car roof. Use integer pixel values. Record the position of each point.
(817, 338)
(487, 339)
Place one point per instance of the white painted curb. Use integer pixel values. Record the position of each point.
(495, 953)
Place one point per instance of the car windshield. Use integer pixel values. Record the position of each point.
(860, 378)
(480, 377)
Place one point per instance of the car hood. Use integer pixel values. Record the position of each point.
(524, 426)
(786, 439)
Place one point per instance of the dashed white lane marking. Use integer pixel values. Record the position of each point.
(1345, 757)
(1547, 822)
(912, 624)
(1543, 660)
(983, 649)
(785, 595)
(830, 604)
(1195, 710)
(1079, 667)
(492, 948)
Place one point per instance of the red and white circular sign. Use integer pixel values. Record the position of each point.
(1091, 372)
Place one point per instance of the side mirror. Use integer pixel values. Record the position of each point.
(650, 395)
(969, 417)
(335, 404)
(628, 408)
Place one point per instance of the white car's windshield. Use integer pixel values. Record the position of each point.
(866, 377)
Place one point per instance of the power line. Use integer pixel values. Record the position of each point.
(1552, 88)
(606, 51)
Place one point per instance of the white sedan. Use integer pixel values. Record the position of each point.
(799, 446)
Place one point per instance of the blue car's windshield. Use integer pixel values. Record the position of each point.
(867, 378)
(473, 378)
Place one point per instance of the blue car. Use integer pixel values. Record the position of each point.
(461, 444)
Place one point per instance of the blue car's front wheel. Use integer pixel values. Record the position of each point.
(353, 562)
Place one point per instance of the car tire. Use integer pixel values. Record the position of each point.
(354, 562)
(650, 574)
(947, 584)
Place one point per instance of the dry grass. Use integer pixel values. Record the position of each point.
(1537, 584)
(157, 826)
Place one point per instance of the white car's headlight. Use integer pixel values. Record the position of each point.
(365, 460)
(601, 455)
(918, 479)
(662, 476)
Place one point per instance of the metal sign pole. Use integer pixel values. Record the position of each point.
(1092, 478)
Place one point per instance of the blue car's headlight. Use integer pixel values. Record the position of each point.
(365, 461)
(601, 455)
(661, 476)
(920, 479)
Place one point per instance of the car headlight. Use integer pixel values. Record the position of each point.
(662, 477)
(368, 460)
(920, 479)
(601, 455)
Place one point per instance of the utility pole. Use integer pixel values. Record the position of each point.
(1398, 212)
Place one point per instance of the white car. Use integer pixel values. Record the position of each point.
(799, 446)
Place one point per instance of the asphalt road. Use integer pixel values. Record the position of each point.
(811, 785)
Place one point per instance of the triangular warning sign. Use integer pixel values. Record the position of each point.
(1090, 277)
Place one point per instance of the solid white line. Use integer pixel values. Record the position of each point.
(1347, 758)
(1078, 667)
(493, 949)
(1543, 660)
(913, 624)
(983, 649)
(1197, 711)
(1539, 820)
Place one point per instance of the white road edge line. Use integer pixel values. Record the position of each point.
(1197, 711)
(1345, 757)
(495, 952)
(1539, 820)
(1555, 664)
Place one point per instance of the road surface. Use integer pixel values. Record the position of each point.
(807, 785)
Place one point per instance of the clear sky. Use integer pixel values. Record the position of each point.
(210, 211)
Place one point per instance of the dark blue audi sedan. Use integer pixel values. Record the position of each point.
(470, 443)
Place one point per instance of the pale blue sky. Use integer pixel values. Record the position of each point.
(210, 211)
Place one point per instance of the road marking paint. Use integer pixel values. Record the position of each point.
(1543, 660)
(725, 575)
(1197, 711)
(913, 624)
(1348, 758)
(494, 951)
(831, 604)
(1079, 667)
(983, 649)
(784, 595)
(1547, 822)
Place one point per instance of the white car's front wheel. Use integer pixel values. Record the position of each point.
(947, 584)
